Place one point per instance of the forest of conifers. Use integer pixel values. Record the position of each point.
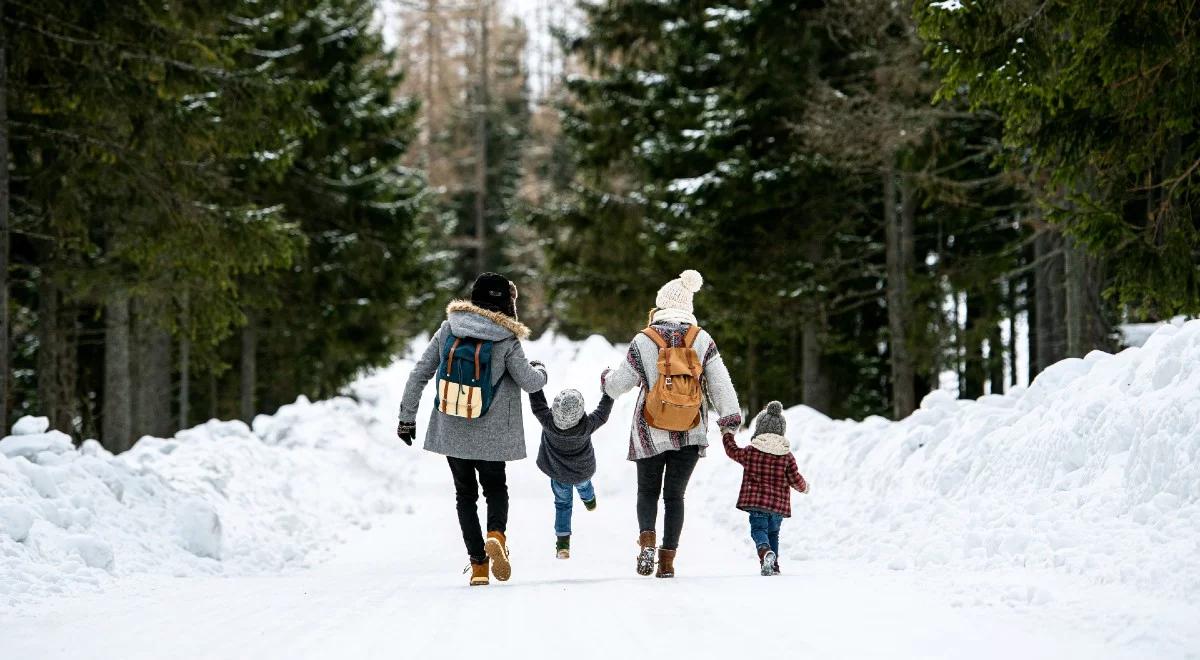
(208, 209)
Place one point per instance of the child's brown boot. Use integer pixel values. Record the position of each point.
(666, 563)
(562, 547)
(645, 559)
(497, 550)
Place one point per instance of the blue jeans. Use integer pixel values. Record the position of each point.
(563, 499)
(764, 529)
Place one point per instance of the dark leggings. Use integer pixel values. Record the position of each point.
(466, 494)
(668, 474)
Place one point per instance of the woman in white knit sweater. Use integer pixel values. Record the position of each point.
(665, 459)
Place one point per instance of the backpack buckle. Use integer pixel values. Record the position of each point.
(668, 381)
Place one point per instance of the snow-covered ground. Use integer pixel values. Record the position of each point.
(1061, 521)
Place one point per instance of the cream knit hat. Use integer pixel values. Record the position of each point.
(677, 294)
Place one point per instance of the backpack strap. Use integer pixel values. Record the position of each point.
(478, 347)
(690, 337)
(655, 337)
(450, 356)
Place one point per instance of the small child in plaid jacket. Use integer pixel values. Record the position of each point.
(769, 469)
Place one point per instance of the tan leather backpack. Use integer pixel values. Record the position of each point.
(673, 404)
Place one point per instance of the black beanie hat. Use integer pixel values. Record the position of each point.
(494, 292)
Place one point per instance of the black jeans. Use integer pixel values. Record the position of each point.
(466, 494)
(668, 474)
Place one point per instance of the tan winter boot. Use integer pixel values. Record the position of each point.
(497, 551)
(479, 574)
(666, 563)
(645, 559)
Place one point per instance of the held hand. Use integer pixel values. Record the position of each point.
(604, 379)
(537, 364)
(407, 431)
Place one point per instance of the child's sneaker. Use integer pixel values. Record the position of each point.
(590, 505)
(766, 561)
(563, 547)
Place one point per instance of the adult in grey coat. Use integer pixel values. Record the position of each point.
(476, 449)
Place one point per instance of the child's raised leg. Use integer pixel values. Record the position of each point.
(773, 538)
(774, 522)
(588, 494)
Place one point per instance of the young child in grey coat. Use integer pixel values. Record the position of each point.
(567, 456)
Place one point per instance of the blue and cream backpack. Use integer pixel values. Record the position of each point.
(464, 378)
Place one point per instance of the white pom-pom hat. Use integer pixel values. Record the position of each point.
(677, 294)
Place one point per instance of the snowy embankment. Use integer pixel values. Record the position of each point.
(1093, 471)
(1091, 474)
(220, 498)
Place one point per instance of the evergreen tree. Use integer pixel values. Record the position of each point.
(1102, 97)
(363, 282)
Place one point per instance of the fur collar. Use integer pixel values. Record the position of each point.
(503, 320)
(771, 443)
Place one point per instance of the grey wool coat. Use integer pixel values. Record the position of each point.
(499, 435)
(566, 455)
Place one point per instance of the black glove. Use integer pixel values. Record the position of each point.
(407, 431)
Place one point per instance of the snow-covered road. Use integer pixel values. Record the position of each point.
(1059, 522)
(396, 591)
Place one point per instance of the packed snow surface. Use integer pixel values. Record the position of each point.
(1057, 521)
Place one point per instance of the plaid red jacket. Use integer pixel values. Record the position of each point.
(765, 478)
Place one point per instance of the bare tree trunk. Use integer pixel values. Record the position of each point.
(481, 141)
(996, 350)
(973, 371)
(1032, 304)
(817, 392)
(47, 354)
(1073, 281)
(1050, 299)
(249, 380)
(118, 396)
(152, 383)
(214, 406)
(430, 107)
(66, 370)
(5, 358)
(1011, 300)
(752, 400)
(185, 380)
(899, 264)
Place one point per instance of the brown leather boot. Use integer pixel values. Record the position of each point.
(479, 573)
(666, 563)
(645, 558)
(497, 550)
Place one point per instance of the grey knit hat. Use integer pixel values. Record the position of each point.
(770, 420)
(567, 409)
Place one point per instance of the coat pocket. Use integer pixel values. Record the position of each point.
(458, 400)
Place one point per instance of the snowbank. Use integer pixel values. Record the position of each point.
(220, 498)
(1094, 471)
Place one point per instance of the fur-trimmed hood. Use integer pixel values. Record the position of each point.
(771, 443)
(470, 320)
